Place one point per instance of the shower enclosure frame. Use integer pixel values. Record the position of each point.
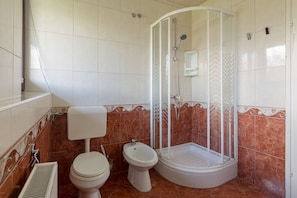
(227, 168)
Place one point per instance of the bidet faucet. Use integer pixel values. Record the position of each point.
(133, 141)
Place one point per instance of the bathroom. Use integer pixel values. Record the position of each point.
(96, 52)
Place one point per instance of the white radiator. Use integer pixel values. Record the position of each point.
(42, 182)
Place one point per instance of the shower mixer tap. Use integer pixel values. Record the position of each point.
(175, 97)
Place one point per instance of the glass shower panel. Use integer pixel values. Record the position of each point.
(228, 84)
(161, 83)
(155, 83)
(215, 79)
(165, 84)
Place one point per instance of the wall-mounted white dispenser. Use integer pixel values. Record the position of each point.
(191, 63)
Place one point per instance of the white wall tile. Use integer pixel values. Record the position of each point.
(270, 48)
(269, 13)
(17, 76)
(199, 89)
(129, 85)
(85, 19)
(109, 89)
(59, 51)
(6, 74)
(85, 88)
(95, 2)
(5, 128)
(18, 28)
(109, 56)
(33, 111)
(247, 88)
(114, 4)
(6, 25)
(19, 122)
(59, 16)
(37, 82)
(35, 49)
(144, 89)
(109, 24)
(5, 83)
(61, 86)
(245, 16)
(144, 60)
(129, 63)
(148, 8)
(131, 6)
(246, 54)
(85, 54)
(129, 29)
(270, 87)
(35, 15)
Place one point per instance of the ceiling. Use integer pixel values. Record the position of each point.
(185, 3)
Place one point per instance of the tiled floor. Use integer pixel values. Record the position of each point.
(119, 187)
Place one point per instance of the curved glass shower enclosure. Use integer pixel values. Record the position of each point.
(193, 107)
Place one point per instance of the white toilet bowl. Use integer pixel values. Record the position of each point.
(88, 172)
(141, 158)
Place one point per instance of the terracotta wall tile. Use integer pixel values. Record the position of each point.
(270, 174)
(261, 140)
(246, 131)
(7, 188)
(270, 136)
(246, 164)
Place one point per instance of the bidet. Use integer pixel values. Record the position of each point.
(141, 158)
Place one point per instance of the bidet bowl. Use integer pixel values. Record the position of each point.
(140, 155)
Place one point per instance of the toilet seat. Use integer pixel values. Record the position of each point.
(90, 164)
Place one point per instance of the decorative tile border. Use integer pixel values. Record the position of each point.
(118, 108)
(56, 111)
(265, 111)
(203, 105)
(11, 158)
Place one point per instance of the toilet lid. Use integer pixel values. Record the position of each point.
(90, 164)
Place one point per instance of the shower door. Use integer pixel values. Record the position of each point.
(160, 85)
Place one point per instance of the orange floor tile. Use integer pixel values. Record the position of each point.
(119, 187)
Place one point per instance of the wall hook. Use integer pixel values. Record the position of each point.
(267, 30)
(133, 15)
(249, 36)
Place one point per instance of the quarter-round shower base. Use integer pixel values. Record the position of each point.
(190, 165)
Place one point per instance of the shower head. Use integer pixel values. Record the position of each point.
(183, 37)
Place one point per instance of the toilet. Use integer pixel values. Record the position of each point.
(141, 158)
(89, 170)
